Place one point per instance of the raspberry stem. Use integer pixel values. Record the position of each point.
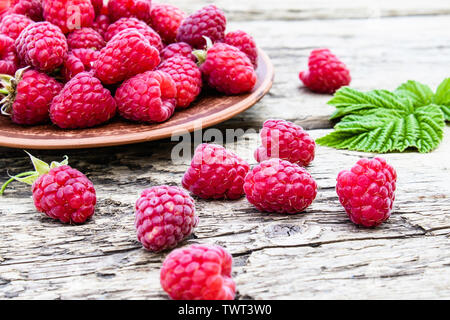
(3, 188)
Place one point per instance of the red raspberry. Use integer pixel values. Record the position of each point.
(326, 72)
(82, 103)
(228, 70)
(280, 186)
(31, 95)
(147, 97)
(43, 46)
(144, 29)
(101, 24)
(367, 191)
(126, 55)
(209, 21)
(86, 38)
(69, 14)
(245, 43)
(178, 48)
(79, 60)
(12, 25)
(215, 173)
(165, 216)
(8, 56)
(166, 19)
(198, 272)
(139, 9)
(98, 6)
(287, 141)
(187, 77)
(30, 8)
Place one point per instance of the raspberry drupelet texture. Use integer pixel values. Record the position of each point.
(43, 46)
(367, 191)
(147, 97)
(244, 42)
(208, 22)
(198, 272)
(280, 186)
(65, 194)
(178, 48)
(216, 173)
(8, 57)
(13, 24)
(187, 77)
(166, 19)
(30, 8)
(85, 38)
(78, 60)
(164, 217)
(101, 24)
(326, 72)
(228, 70)
(127, 54)
(127, 23)
(285, 140)
(82, 103)
(69, 15)
(139, 9)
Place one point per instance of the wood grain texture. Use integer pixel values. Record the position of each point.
(316, 255)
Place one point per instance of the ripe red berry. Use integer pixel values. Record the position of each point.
(30, 8)
(30, 97)
(228, 70)
(101, 24)
(178, 48)
(287, 141)
(208, 22)
(8, 56)
(127, 54)
(198, 272)
(132, 23)
(79, 60)
(139, 9)
(98, 6)
(245, 43)
(147, 97)
(367, 191)
(187, 77)
(326, 72)
(280, 186)
(166, 19)
(216, 173)
(86, 38)
(13, 24)
(42, 45)
(165, 216)
(69, 14)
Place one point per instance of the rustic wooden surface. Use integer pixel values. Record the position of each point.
(315, 255)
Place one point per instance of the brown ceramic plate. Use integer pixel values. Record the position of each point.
(209, 110)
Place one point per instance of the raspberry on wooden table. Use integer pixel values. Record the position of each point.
(198, 272)
(244, 42)
(166, 19)
(8, 57)
(69, 15)
(13, 24)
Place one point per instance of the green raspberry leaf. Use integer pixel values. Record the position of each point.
(420, 94)
(442, 98)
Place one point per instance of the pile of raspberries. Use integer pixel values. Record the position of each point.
(79, 63)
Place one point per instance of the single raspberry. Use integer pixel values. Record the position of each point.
(280, 186)
(187, 77)
(198, 272)
(208, 22)
(101, 24)
(147, 97)
(127, 54)
(13, 24)
(98, 6)
(42, 45)
(165, 216)
(166, 19)
(216, 173)
(367, 191)
(69, 14)
(133, 23)
(79, 60)
(30, 8)
(82, 103)
(86, 38)
(227, 69)
(178, 48)
(29, 96)
(139, 9)
(244, 42)
(326, 72)
(8, 56)
(59, 191)
(285, 140)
